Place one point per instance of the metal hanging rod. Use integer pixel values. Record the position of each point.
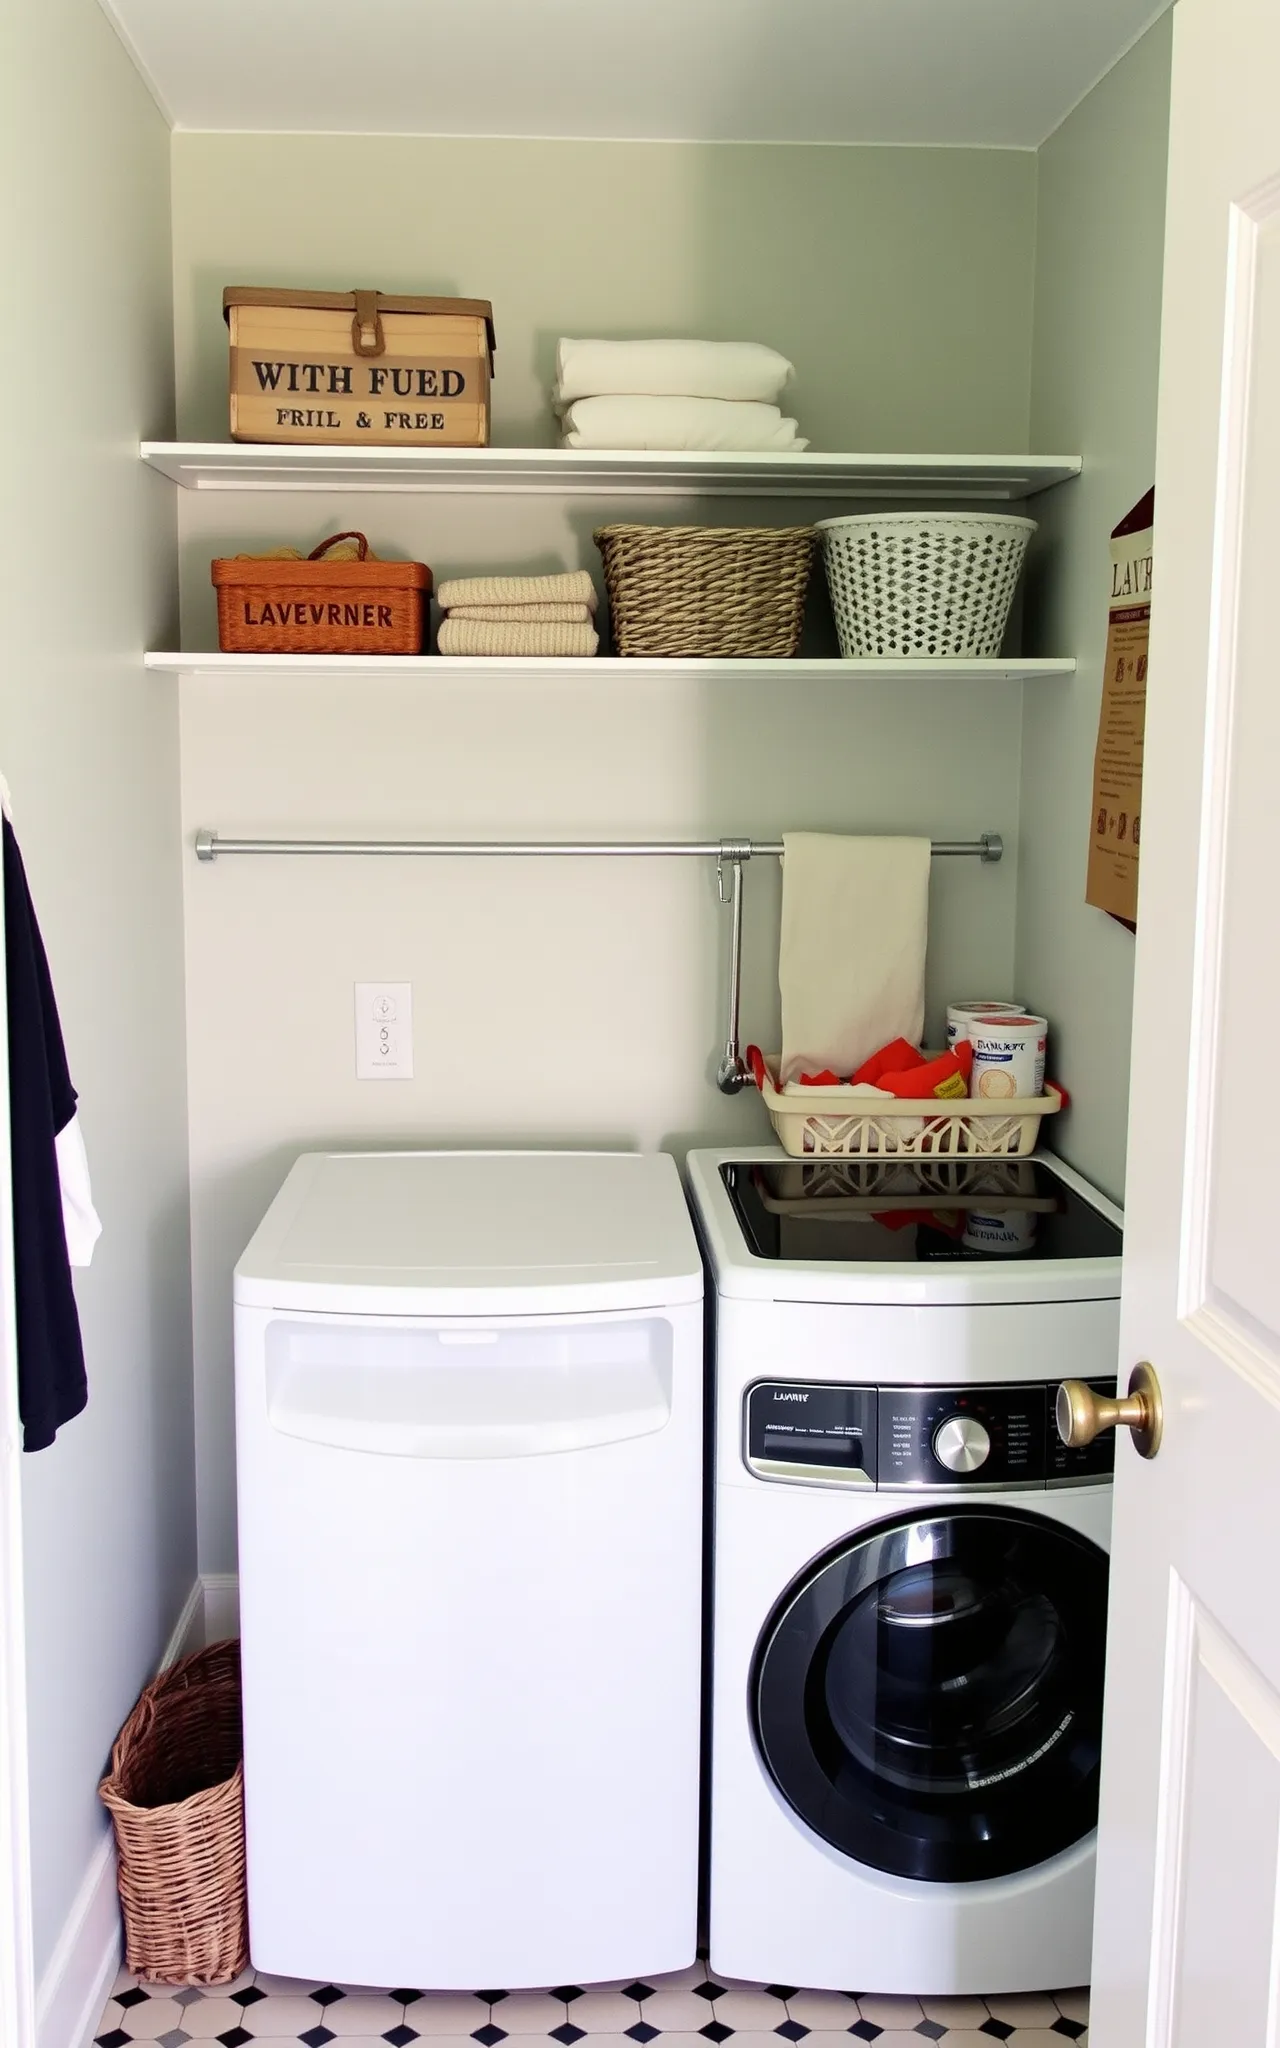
(212, 846)
(730, 856)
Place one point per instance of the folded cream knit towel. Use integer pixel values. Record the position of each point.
(477, 636)
(524, 614)
(687, 369)
(574, 586)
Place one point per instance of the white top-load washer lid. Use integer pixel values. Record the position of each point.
(931, 1232)
(474, 1233)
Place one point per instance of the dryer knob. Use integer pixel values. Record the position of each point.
(961, 1444)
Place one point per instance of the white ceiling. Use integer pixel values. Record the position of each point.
(979, 72)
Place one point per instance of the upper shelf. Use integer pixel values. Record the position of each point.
(251, 466)
(613, 668)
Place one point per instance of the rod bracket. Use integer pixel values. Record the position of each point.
(992, 844)
(206, 844)
(733, 852)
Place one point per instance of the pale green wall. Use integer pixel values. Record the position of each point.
(903, 284)
(898, 280)
(90, 748)
(1100, 229)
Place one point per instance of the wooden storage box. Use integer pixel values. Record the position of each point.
(356, 368)
(361, 606)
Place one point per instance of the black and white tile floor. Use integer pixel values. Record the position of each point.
(691, 2010)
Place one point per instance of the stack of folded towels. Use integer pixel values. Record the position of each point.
(518, 615)
(673, 394)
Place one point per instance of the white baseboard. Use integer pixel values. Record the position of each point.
(80, 1972)
(210, 1612)
(221, 1605)
(188, 1629)
(82, 1968)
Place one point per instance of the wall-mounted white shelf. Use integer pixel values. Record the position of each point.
(242, 466)
(612, 668)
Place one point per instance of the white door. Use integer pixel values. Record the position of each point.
(1188, 1914)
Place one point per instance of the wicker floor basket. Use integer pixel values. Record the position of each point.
(706, 591)
(175, 1793)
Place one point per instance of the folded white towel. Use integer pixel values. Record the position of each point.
(473, 636)
(571, 586)
(524, 614)
(855, 916)
(687, 369)
(640, 422)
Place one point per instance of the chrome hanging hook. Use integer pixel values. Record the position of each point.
(731, 1074)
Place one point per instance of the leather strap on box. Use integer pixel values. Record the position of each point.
(367, 338)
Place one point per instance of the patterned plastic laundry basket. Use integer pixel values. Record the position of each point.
(923, 583)
(829, 1121)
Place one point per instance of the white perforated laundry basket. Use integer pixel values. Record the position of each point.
(923, 583)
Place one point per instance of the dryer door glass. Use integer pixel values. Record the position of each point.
(928, 1696)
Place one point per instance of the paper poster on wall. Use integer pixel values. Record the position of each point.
(1116, 827)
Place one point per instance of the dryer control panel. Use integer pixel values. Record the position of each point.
(942, 1438)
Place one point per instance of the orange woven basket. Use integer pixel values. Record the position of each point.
(364, 606)
(175, 1793)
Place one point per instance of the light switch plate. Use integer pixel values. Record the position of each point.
(384, 1031)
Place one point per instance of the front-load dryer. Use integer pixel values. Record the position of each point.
(910, 1580)
(469, 1428)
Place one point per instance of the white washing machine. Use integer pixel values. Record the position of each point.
(469, 1426)
(910, 1580)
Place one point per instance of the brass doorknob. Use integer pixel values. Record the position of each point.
(1082, 1414)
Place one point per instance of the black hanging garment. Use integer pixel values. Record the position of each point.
(51, 1376)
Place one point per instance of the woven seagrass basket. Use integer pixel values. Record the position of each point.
(706, 591)
(175, 1793)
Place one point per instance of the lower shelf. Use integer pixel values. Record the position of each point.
(610, 668)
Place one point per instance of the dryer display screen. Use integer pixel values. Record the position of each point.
(965, 1438)
(830, 1430)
